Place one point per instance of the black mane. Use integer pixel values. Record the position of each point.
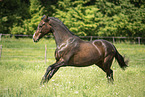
(60, 22)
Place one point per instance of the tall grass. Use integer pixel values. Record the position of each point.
(22, 65)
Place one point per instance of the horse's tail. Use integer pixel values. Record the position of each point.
(122, 63)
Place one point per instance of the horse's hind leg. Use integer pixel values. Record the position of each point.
(110, 76)
(105, 66)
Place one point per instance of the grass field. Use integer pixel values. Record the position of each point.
(22, 65)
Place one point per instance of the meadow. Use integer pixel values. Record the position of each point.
(22, 66)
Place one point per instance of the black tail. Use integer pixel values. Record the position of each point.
(121, 61)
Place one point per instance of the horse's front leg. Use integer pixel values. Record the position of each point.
(51, 70)
(48, 70)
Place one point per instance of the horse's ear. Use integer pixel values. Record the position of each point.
(47, 19)
(43, 17)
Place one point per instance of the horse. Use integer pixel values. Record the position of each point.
(73, 51)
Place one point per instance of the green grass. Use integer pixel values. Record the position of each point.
(22, 65)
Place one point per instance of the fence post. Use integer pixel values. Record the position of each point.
(91, 38)
(138, 40)
(0, 36)
(45, 53)
(113, 40)
(0, 51)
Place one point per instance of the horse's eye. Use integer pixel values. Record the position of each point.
(41, 25)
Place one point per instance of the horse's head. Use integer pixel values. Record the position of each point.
(42, 29)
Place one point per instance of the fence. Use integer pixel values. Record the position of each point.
(0, 51)
(138, 40)
(13, 50)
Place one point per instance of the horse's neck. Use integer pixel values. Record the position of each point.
(61, 35)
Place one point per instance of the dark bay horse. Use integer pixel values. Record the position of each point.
(72, 51)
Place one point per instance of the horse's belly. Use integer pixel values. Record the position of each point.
(85, 58)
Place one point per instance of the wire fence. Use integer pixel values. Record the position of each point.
(137, 40)
(45, 55)
(10, 54)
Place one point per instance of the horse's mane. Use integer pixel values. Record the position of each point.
(60, 22)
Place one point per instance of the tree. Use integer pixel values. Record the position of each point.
(30, 24)
(102, 17)
(12, 13)
(83, 17)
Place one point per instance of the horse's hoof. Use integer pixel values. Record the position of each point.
(43, 81)
(110, 81)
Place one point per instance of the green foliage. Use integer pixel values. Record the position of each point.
(12, 13)
(29, 25)
(81, 20)
(83, 17)
(102, 18)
